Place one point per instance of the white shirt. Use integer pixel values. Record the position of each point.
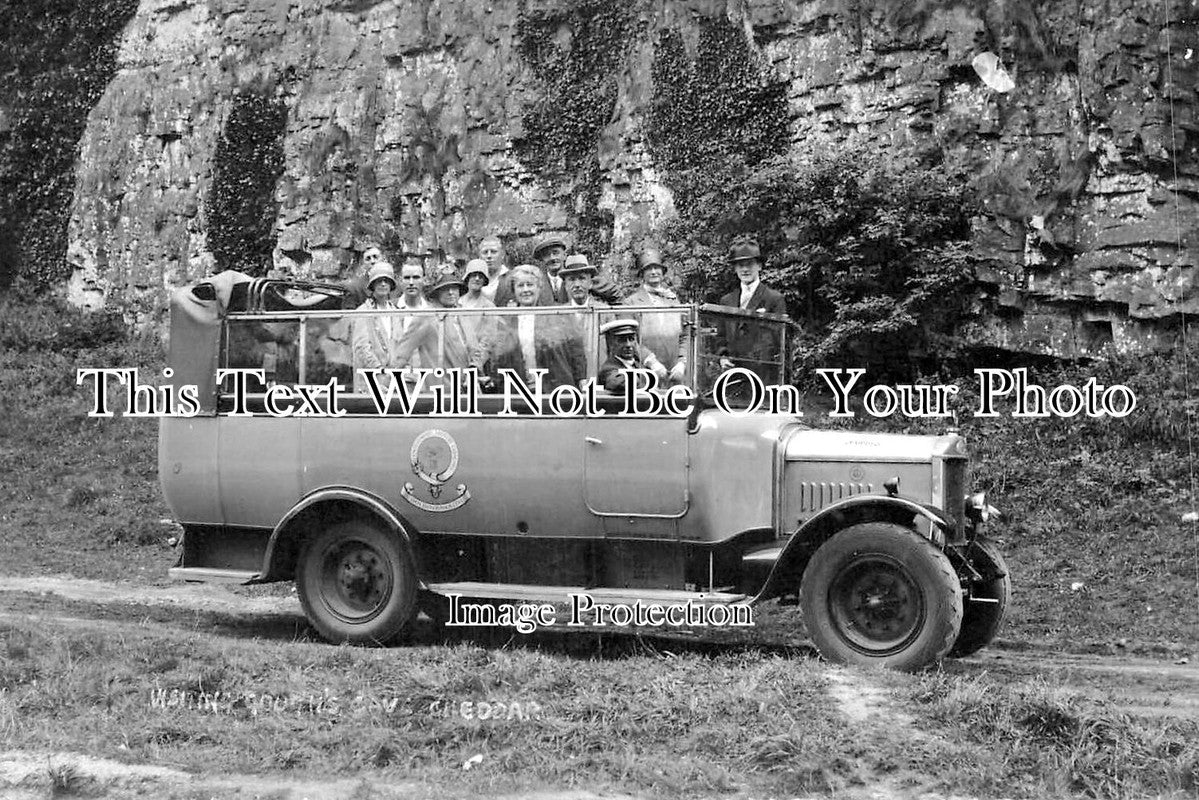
(384, 319)
(493, 283)
(524, 335)
(407, 324)
(747, 292)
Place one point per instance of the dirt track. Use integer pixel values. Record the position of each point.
(1134, 685)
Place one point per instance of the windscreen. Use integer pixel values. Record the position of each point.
(729, 340)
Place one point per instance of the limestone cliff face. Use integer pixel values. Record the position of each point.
(425, 123)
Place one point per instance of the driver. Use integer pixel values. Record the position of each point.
(625, 353)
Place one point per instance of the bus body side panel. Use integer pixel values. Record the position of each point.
(187, 468)
(260, 469)
(520, 476)
(733, 475)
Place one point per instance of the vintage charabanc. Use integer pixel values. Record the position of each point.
(376, 510)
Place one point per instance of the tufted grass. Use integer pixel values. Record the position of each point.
(654, 718)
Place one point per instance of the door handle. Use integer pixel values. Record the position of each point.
(593, 440)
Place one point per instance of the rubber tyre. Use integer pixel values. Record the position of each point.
(981, 621)
(357, 583)
(881, 595)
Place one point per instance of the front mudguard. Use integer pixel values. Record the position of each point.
(794, 554)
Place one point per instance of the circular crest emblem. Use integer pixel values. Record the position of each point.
(434, 457)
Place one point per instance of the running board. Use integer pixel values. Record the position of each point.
(524, 592)
(209, 575)
(764, 556)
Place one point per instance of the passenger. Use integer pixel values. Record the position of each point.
(412, 298)
(526, 342)
(625, 352)
(356, 284)
(477, 282)
(662, 333)
(604, 288)
(742, 342)
(439, 340)
(550, 253)
(374, 336)
(446, 288)
(491, 252)
(412, 287)
(479, 328)
(577, 276)
(752, 295)
(372, 255)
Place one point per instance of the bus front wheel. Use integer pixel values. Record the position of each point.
(878, 594)
(357, 583)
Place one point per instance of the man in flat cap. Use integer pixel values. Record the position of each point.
(625, 353)
(550, 255)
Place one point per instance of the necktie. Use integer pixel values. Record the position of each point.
(457, 352)
(746, 294)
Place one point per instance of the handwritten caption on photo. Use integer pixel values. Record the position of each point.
(327, 705)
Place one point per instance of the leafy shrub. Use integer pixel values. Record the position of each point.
(872, 258)
(53, 325)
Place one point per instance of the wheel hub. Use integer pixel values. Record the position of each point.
(876, 604)
(358, 578)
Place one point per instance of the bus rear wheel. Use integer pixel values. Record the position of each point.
(880, 594)
(357, 583)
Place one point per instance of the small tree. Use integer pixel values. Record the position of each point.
(870, 258)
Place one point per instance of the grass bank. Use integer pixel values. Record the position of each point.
(77, 494)
(614, 713)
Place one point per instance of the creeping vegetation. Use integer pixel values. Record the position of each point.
(249, 161)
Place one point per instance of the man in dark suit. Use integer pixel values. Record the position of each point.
(550, 255)
(752, 294)
(744, 342)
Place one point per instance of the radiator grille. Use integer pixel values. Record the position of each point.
(954, 483)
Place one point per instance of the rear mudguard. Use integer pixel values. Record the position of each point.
(330, 501)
